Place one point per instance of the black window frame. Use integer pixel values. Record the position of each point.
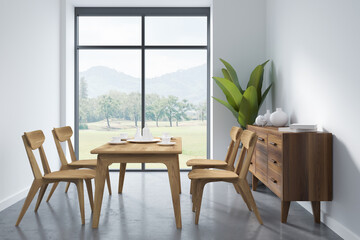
(141, 12)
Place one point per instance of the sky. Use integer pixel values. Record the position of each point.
(127, 31)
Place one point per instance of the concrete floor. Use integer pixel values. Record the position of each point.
(144, 211)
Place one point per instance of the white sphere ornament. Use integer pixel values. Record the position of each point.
(260, 120)
(279, 118)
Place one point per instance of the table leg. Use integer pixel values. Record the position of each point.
(121, 176)
(101, 169)
(255, 181)
(174, 185)
(178, 172)
(316, 210)
(285, 205)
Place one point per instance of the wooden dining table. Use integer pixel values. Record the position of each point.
(138, 153)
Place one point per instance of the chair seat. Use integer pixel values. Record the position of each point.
(84, 163)
(71, 174)
(212, 174)
(206, 162)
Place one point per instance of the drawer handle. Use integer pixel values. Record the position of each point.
(260, 139)
(273, 161)
(273, 180)
(273, 143)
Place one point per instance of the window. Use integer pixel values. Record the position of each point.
(142, 66)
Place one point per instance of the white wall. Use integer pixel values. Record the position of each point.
(29, 92)
(239, 38)
(315, 49)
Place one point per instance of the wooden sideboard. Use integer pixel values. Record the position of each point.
(294, 166)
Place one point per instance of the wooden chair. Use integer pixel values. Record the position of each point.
(64, 134)
(238, 177)
(34, 140)
(228, 164)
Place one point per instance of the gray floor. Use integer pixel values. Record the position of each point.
(144, 211)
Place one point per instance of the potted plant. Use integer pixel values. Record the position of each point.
(244, 104)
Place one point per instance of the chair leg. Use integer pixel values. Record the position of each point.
(199, 193)
(33, 190)
(90, 193)
(80, 189)
(67, 187)
(191, 186)
(247, 192)
(108, 180)
(40, 197)
(52, 191)
(194, 195)
(121, 177)
(244, 197)
(237, 188)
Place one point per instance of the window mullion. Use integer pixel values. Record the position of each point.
(143, 77)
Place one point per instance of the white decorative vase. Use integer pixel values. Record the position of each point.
(260, 120)
(267, 117)
(279, 118)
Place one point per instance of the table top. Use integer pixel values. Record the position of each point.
(275, 130)
(140, 148)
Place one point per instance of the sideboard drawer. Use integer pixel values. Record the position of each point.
(275, 143)
(261, 144)
(275, 182)
(262, 176)
(275, 161)
(275, 165)
(261, 162)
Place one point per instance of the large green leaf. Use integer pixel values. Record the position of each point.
(265, 63)
(248, 107)
(228, 98)
(232, 93)
(256, 78)
(226, 74)
(264, 95)
(235, 113)
(233, 75)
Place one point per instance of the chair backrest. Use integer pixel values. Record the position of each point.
(248, 140)
(63, 134)
(32, 141)
(235, 135)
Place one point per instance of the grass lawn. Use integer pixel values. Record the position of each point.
(193, 135)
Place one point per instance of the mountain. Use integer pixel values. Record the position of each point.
(187, 84)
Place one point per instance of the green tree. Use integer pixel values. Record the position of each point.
(93, 113)
(133, 107)
(84, 110)
(155, 106)
(202, 108)
(83, 89)
(171, 108)
(122, 100)
(181, 109)
(108, 107)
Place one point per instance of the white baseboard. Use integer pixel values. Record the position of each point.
(7, 202)
(333, 224)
